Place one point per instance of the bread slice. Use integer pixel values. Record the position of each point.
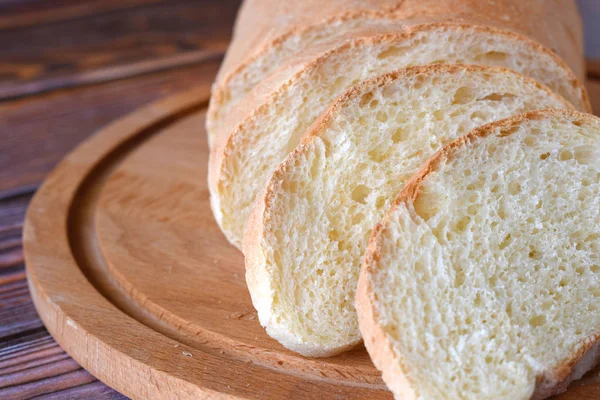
(310, 226)
(276, 114)
(268, 32)
(483, 280)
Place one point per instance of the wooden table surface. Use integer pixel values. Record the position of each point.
(67, 68)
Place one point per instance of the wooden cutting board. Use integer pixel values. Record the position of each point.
(131, 275)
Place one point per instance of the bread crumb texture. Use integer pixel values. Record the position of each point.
(329, 193)
(490, 278)
(274, 129)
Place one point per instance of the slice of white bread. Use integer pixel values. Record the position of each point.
(268, 32)
(310, 226)
(276, 114)
(483, 280)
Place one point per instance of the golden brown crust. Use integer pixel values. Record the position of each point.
(256, 270)
(410, 192)
(548, 384)
(326, 118)
(271, 88)
(259, 276)
(572, 368)
(376, 341)
(247, 111)
(555, 24)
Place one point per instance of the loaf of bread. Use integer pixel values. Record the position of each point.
(269, 32)
(483, 280)
(310, 225)
(269, 122)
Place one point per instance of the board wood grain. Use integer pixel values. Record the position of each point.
(131, 275)
(39, 131)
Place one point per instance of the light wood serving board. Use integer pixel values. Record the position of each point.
(131, 275)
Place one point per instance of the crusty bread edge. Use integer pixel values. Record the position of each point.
(360, 88)
(221, 84)
(224, 146)
(258, 273)
(259, 276)
(376, 341)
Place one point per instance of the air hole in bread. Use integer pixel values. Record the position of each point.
(509, 131)
(377, 155)
(399, 135)
(505, 242)
(529, 141)
(508, 309)
(502, 214)
(463, 95)
(534, 254)
(462, 224)
(357, 219)
(499, 96)
(586, 155)
(425, 206)
(514, 188)
(366, 99)
(565, 155)
(538, 320)
(419, 81)
(392, 51)
(438, 115)
(492, 57)
(360, 194)
(479, 116)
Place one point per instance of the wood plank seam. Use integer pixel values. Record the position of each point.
(110, 74)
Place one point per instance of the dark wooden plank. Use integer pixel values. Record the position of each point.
(67, 44)
(12, 215)
(38, 132)
(110, 46)
(593, 69)
(593, 87)
(92, 391)
(23, 13)
(49, 384)
(32, 364)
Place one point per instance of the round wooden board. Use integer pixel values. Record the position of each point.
(131, 275)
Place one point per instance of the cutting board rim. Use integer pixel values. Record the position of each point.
(71, 298)
(65, 323)
(53, 264)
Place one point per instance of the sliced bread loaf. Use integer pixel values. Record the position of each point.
(310, 225)
(268, 32)
(278, 111)
(483, 280)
